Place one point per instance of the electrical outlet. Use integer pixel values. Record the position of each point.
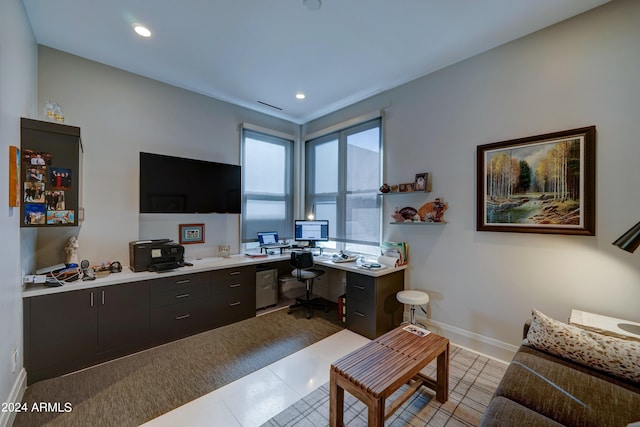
(15, 359)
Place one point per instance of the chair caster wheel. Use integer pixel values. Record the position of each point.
(288, 311)
(308, 315)
(326, 309)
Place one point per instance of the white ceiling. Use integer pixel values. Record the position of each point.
(245, 51)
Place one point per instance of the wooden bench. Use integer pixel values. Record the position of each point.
(375, 371)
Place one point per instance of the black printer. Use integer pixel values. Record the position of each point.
(155, 255)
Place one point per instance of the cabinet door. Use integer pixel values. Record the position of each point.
(62, 334)
(123, 316)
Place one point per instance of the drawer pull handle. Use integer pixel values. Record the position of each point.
(234, 273)
(91, 299)
(182, 282)
(359, 314)
(233, 304)
(184, 316)
(182, 296)
(235, 285)
(359, 287)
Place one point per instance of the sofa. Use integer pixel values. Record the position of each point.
(566, 376)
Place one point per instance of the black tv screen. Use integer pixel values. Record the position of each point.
(178, 185)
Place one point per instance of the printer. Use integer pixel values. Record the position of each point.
(155, 255)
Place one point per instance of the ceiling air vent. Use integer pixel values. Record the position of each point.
(269, 105)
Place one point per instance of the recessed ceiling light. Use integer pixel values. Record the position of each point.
(300, 95)
(141, 30)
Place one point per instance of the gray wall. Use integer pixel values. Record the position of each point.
(121, 114)
(18, 65)
(483, 284)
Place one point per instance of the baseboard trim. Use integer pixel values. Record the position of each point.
(487, 346)
(15, 396)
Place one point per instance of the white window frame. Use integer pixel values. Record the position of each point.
(287, 141)
(340, 132)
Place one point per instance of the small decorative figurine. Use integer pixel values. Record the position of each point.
(71, 248)
(439, 208)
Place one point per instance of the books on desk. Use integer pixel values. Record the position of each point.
(398, 250)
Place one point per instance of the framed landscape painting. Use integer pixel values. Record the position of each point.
(538, 184)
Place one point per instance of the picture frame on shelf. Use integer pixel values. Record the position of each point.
(191, 234)
(538, 184)
(406, 187)
(422, 182)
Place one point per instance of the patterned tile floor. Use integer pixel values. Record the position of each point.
(473, 380)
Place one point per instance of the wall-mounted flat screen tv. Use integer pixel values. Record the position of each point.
(179, 185)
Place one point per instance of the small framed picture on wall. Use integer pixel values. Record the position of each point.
(191, 233)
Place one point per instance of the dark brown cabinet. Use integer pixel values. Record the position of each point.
(74, 329)
(51, 158)
(71, 330)
(233, 295)
(179, 306)
(372, 307)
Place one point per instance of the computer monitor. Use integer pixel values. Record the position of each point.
(312, 231)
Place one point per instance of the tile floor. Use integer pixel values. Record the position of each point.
(256, 398)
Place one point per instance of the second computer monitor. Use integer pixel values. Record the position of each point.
(312, 231)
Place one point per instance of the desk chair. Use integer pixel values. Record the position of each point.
(302, 263)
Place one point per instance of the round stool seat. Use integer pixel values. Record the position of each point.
(413, 297)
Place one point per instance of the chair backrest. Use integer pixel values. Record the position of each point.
(301, 260)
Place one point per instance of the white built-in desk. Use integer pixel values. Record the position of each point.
(83, 323)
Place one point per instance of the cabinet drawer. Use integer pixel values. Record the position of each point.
(361, 318)
(232, 287)
(179, 294)
(180, 319)
(361, 287)
(233, 275)
(230, 307)
(178, 283)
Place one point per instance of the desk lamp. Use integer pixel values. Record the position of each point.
(630, 240)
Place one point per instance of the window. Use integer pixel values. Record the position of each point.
(267, 166)
(343, 175)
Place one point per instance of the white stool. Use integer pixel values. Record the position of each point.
(414, 298)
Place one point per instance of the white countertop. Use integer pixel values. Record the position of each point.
(199, 265)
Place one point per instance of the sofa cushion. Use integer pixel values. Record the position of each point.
(503, 412)
(568, 393)
(613, 355)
